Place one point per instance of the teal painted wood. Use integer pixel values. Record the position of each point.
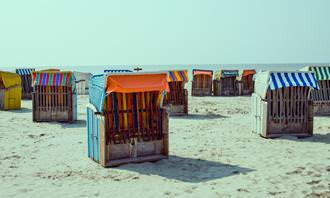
(97, 91)
(89, 140)
(96, 138)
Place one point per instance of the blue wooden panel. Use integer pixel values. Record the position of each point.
(95, 139)
(90, 132)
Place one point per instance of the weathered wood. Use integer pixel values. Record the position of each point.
(52, 103)
(225, 87)
(202, 85)
(289, 112)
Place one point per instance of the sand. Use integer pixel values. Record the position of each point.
(213, 153)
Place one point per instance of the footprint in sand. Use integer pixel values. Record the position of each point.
(313, 182)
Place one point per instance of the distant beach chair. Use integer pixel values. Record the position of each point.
(245, 82)
(321, 97)
(117, 70)
(177, 98)
(10, 91)
(280, 104)
(126, 121)
(202, 82)
(54, 96)
(26, 78)
(82, 81)
(225, 83)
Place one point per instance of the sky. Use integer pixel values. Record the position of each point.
(161, 32)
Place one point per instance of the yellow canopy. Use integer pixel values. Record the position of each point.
(10, 79)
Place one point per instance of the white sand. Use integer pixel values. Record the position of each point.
(213, 154)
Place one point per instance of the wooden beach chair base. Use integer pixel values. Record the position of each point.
(177, 110)
(224, 87)
(111, 154)
(52, 116)
(271, 120)
(201, 92)
(321, 108)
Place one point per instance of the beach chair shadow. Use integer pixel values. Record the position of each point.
(187, 169)
(200, 116)
(76, 124)
(21, 110)
(317, 138)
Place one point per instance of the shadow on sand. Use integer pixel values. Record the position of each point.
(66, 125)
(200, 116)
(187, 169)
(317, 138)
(22, 110)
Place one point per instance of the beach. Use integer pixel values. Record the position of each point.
(213, 153)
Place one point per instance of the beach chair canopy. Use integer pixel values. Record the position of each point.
(24, 71)
(9, 79)
(54, 78)
(177, 76)
(246, 72)
(202, 72)
(103, 85)
(225, 74)
(272, 80)
(321, 72)
(80, 76)
(117, 70)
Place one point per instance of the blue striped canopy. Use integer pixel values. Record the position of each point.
(116, 70)
(292, 79)
(25, 71)
(273, 80)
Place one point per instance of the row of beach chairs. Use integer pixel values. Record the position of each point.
(127, 114)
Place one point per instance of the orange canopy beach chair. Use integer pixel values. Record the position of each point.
(126, 121)
(202, 82)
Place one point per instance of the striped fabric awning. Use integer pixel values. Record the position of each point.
(117, 70)
(177, 76)
(25, 71)
(53, 79)
(292, 79)
(202, 72)
(321, 72)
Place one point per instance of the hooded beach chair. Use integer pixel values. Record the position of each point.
(202, 82)
(26, 78)
(126, 121)
(54, 97)
(82, 81)
(10, 91)
(117, 70)
(280, 104)
(321, 97)
(245, 83)
(224, 83)
(177, 98)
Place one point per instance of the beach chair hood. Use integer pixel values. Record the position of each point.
(103, 85)
(275, 80)
(245, 72)
(321, 72)
(54, 78)
(10, 79)
(225, 74)
(117, 71)
(177, 76)
(24, 71)
(202, 72)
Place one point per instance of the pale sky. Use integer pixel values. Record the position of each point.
(160, 32)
